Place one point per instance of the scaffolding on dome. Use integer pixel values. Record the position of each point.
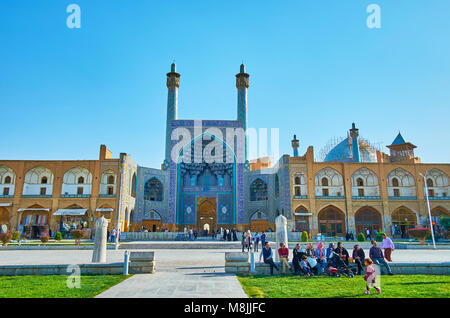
(334, 141)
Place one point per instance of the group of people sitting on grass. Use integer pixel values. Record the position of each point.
(320, 261)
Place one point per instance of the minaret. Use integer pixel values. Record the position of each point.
(354, 133)
(173, 83)
(295, 144)
(242, 83)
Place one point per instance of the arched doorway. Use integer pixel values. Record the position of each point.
(4, 220)
(331, 221)
(34, 221)
(402, 220)
(152, 221)
(259, 222)
(437, 214)
(206, 214)
(368, 218)
(301, 219)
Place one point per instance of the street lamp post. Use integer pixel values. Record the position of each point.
(429, 210)
(116, 243)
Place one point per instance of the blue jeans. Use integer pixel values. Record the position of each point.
(272, 265)
(321, 266)
(380, 261)
(306, 270)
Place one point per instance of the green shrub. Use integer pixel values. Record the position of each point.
(361, 237)
(44, 239)
(5, 238)
(379, 237)
(304, 236)
(77, 235)
(419, 233)
(445, 221)
(16, 235)
(58, 236)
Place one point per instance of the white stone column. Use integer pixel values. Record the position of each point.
(281, 234)
(99, 253)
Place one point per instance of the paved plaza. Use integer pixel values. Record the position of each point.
(193, 273)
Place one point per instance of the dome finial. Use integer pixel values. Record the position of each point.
(242, 67)
(173, 67)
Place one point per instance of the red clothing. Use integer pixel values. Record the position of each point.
(283, 252)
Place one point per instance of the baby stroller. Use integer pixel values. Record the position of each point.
(336, 266)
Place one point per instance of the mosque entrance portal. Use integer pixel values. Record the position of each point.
(206, 214)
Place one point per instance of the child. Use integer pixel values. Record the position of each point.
(304, 266)
(370, 276)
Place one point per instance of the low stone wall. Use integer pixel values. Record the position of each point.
(418, 269)
(85, 269)
(142, 263)
(237, 263)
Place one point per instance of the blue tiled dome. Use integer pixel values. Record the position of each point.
(342, 152)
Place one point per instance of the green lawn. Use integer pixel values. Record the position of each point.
(408, 286)
(55, 286)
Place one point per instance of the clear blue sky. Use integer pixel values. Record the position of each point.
(314, 69)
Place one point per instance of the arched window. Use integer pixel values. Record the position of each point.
(44, 180)
(367, 218)
(153, 190)
(7, 180)
(360, 182)
(324, 182)
(297, 180)
(430, 183)
(395, 182)
(80, 180)
(258, 190)
(111, 180)
(277, 186)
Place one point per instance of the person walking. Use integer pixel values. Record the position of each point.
(248, 240)
(113, 235)
(266, 253)
(370, 276)
(358, 255)
(388, 246)
(283, 252)
(263, 239)
(368, 236)
(376, 254)
(243, 240)
(256, 239)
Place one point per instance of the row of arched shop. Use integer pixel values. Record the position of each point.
(332, 221)
(36, 220)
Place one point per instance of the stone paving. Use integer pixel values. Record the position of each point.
(176, 259)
